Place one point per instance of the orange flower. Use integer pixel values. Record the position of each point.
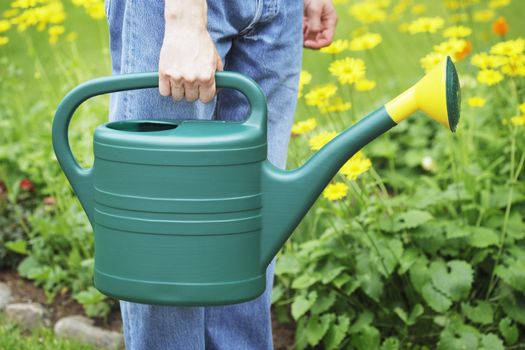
(467, 49)
(500, 26)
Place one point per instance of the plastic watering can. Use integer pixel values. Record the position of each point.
(191, 212)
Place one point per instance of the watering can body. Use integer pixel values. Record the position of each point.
(190, 212)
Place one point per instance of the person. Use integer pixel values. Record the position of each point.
(187, 41)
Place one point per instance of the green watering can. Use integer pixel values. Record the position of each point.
(191, 212)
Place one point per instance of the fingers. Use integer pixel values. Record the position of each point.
(189, 87)
(319, 23)
(164, 85)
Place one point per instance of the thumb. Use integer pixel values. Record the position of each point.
(219, 63)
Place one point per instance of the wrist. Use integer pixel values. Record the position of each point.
(186, 12)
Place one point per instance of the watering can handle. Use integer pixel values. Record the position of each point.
(80, 178)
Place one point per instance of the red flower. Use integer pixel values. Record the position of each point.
(500, 26)
(26, 184)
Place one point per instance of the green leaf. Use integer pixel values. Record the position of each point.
(302, 304)
(369, 277)
(29, 263)
(513, 273)
(391, 343)
(491, 342)
(336, 333)
(323, 303)
(364, 319)
(482, 237)
(409, 257)
(438, 301)
(481, 313)
(287, 264)
(19, 246)
(454, 278)
(419, 274)
(508, 330)
(317, 327)
(368, 338)
(514, 307)
(411, 219)
(304, 281)
(417, 311)
(460, 337)
(277, 292)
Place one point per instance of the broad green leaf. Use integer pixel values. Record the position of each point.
(364, 319)
(323, 303)
(277, 292)
(460, 337)
(401, 314)
(419, 274)
(409, 257)
(454, 279)
(491, 342)
(287, 264)
(435, 299)
(317, 327)
(481, 313)
(390, 253)
(304, 281)
(369, 277)
(302, 304)
(508, 330)
(331, 274)
(514, 307)
(368, 338)
(301, 339)
(513, 273)
(19, 246)
(482, 237)
(391, 343)
(336, 333)
(411, 219)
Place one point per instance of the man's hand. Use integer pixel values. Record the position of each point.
(188, 57)
(319, 23)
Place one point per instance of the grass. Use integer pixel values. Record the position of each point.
(12, 338)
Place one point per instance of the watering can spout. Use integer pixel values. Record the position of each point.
(288, 195)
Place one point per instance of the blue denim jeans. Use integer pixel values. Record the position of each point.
(261, 39)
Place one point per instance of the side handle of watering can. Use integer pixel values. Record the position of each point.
(81, 179)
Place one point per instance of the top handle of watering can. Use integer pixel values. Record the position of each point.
(80, 178)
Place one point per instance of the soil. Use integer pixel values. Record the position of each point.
(24, 291)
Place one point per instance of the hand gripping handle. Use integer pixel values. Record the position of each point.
(81, 179)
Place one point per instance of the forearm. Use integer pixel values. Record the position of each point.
(186, 12)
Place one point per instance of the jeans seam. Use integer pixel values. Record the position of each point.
(258, 14)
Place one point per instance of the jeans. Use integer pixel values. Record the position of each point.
(261, 39)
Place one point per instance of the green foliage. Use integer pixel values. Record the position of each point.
(11, 337)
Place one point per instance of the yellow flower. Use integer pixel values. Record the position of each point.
(304, 79)
(521, 107)
(10, 13)
(498, 3)
(3, 40)
(452, 47)
(483, 15)
(318, 141)
(320, 94)
(96, 10)
(304, 126)
(365, 85)
(366, 41)
(431, 60)
(4, 26)
(335, 47)
(509, 47)
(335, 191)
(425, 25)
(476, 101)
(335, 105)
(56, 30)
(515, 66)
(356, 166)
(489, 77)
(457, 32)
(486, 61)
(348, 70)
(518, 120)
(368, 12)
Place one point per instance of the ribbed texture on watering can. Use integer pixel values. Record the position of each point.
(175, 234)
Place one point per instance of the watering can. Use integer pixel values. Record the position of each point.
(191, 212)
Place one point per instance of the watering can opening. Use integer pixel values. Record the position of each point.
(142, 126)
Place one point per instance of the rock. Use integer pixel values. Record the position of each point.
(81, 329)
(5, 295)
(27, 315)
